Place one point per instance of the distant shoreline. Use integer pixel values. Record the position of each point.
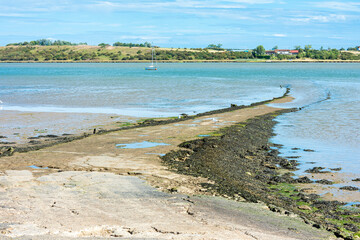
(195, 61)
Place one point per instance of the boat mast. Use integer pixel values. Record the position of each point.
(152, 57)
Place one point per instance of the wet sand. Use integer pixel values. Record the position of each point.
(92, 188)
(332, 192)
(19, 126)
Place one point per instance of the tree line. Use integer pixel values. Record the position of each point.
(46, 42)
(308, 52)
(71, 53)
(49, 42)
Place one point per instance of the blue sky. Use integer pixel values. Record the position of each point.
(184, 23)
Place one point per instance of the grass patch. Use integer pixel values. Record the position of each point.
(216, 134)
(285, 189)
(125, 124)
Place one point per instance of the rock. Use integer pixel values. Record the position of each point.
(316, 170)
(147, 122)
(308, 197)
(7, 143)
(51, 136)
(7, 151)
(316, 225)
(3, 136)
(307, 190)
(349, 188)
(277, 209)
(33, 138)
(304, 207)
(351, 227)
(309, 150)
(277, 145)
(327, 205)
(303, 180)
(285, 163)
(336, 169)
(356, 180)
(233, 105)
(271, 166)
(172, 189)
(183, 115)
(324, 181)
(276, 180)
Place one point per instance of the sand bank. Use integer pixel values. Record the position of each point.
(18, 128)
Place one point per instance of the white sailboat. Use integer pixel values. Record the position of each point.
(152, 66)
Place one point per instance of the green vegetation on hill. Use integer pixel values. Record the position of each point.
(46, 42)
(46, 50)
(120, 44)
(106, 53)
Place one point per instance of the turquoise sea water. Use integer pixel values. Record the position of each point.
(331, 128)
(128, 89)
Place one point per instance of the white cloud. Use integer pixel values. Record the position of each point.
(279, 35)
(320, 18)
(219, 14)
(191, 4)
(342, 6)
(252, 1)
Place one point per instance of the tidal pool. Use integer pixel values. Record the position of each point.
(144, 144)
(159, 154)
(36, 167)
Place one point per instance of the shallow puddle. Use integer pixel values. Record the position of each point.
(36, 167)
(187, 125)
(203, 135)
(144, 144)
(206, 119)
(350, 204)
(159, 154)
(224, 122)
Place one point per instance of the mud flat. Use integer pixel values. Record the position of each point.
(113, 184)
(23, 129)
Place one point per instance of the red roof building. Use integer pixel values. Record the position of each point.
(282, 52)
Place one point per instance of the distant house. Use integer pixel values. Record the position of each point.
(270, 52)
(282, 52)
(294, 52)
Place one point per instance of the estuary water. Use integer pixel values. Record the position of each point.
(331, 128)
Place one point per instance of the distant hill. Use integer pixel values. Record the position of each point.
(111, 53)
(107, 53)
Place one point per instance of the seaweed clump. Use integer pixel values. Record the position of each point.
(240, 161)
